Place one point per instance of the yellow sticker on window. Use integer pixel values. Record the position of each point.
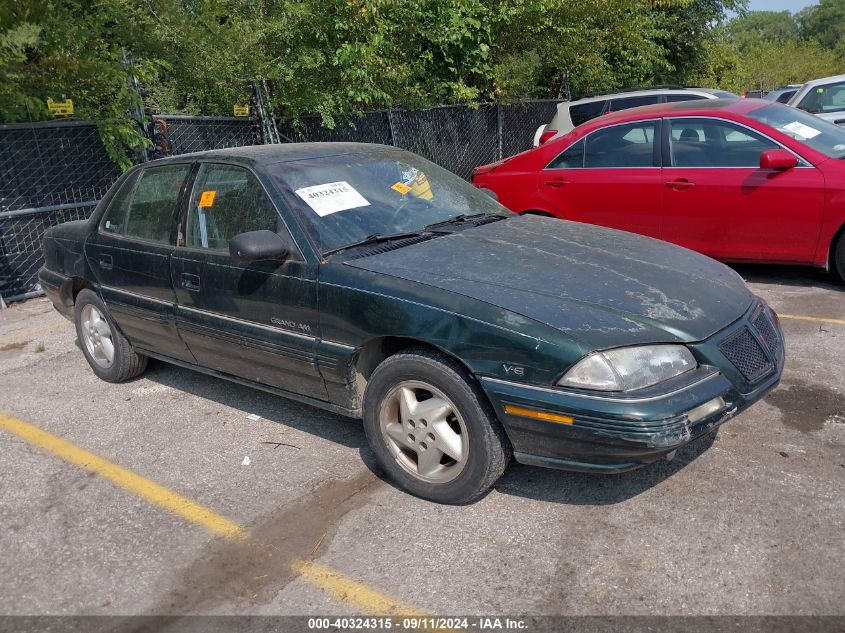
(207, 199)
(422, 188)
(401, 187)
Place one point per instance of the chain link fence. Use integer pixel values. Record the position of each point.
(56, 171)
(458, 138)
(179, 134)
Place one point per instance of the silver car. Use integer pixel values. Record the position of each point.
(571, 114)
(823, 97)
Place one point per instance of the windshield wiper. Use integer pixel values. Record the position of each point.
(459, 219)
(374, 238)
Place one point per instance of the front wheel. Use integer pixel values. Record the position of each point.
(107, 351)
(432, 429)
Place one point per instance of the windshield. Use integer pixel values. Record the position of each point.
(346, 199)
(821, 135)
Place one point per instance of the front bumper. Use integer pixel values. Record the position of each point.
(615, 433)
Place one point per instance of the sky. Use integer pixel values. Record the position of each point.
(779, 5)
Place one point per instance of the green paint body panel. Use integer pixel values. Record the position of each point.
(517, 302)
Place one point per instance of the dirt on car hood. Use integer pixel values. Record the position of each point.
(602, 286)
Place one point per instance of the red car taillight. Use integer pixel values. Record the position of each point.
(546, 135)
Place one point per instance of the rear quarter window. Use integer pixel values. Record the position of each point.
(115, 217)
(586, 111)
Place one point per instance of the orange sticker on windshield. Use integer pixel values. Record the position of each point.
(401, 187)
(207, 198)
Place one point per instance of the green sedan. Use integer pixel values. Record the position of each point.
(368, 281)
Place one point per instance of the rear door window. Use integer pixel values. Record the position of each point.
(619, 146)
(570, 158)
(713, 143)
(586, 111)
(152, 210)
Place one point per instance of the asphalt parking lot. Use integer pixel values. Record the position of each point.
(182, 493)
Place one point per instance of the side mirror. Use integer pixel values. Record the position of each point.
(779, 159)
(254, 246)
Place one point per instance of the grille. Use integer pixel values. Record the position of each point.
(763, 324)
(746, 354)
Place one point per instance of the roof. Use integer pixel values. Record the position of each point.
(637, 92)
(825, 80)
(687, 108)
(265, 154)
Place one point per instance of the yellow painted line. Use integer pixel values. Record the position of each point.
(348, 590)
(332, 582)
(126, 479)
(799, 317)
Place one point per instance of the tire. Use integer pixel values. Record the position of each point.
(110, 355)
(838, 264)
(460, 420)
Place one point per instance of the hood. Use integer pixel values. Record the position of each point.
(602, 286)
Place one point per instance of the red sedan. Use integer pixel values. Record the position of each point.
(739, 180)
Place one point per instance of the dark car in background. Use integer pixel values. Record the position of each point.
(370, 282)
(782, 95)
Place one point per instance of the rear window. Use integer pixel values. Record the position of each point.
(585, 112)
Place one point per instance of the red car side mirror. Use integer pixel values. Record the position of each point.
(777, 159)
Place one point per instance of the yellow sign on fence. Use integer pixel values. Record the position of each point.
(60, 108)
(241, 110)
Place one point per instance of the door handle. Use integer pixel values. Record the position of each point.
(680, 184)
(191, 282)
(106, 262)
(557, 182)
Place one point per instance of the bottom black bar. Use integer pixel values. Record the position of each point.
(452, 624)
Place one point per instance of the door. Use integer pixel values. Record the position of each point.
(719, 202)
(130, 257)
(253, 320)
(611, 178)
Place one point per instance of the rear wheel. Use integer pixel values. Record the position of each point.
(839, 257)
(107, 351)
(432, 429)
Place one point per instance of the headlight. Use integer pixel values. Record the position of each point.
(629, 368)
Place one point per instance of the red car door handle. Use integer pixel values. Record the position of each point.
(557, 182)
(679, 184)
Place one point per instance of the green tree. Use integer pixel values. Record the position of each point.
(825, 23)
(769, 26)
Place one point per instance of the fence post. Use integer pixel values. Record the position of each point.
(500, 123)
(269, 131)
(390, 127)
(136, 109)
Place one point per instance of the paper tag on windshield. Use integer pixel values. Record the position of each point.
(796, 127)
(332, 197)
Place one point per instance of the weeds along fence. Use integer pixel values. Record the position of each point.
(57, 171)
